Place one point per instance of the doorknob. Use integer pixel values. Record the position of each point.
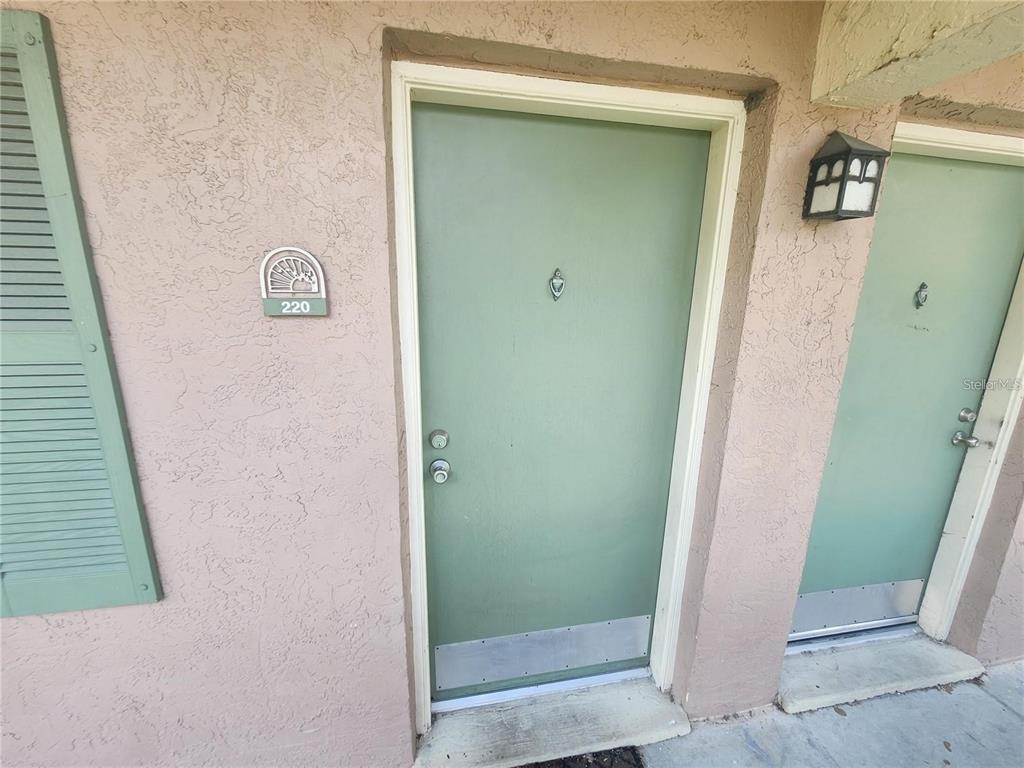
(440, 469)
(962, 438)
(966, 414)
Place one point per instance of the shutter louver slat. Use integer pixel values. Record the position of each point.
(33, 302)
(49, 529)
(25, 479)
(17, 240)
(13, 121)
(23, 174)
(36, 449)
(15, 187)
(20, 288)
(18, 159)
(14, 457)
(20, 202)
(28, 425)
(59, 502)
(9, 132)
(70, 516)
(50, 279)
(92, 551)
(10, 224)
(14, 105)
(44, 269)
(44, 526)
(22, 214)
(27, 408)
(40, 260)
(71, 531)
(68, 567)
(22, 492)
(36, 316)
(27, 546)
(16, 393)
(53, 465)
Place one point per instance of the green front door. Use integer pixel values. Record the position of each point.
(544, 543)
(892, 467)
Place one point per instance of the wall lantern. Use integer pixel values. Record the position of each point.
(844, 177)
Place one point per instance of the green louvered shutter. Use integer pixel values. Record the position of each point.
(72, 533)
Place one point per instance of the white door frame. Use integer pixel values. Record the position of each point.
(1000, 405)
(724, 119)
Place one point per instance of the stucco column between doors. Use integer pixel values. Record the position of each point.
(766, 449)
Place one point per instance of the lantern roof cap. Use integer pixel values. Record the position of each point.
(841, 144)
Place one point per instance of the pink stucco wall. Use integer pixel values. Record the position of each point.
(1002, 633)
(989, 620)
(992, 95)
(1001, 637)
(804, 280)
(268, 449)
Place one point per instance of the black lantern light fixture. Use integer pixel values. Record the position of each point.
(844, 178)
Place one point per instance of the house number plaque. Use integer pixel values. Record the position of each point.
(292, 283)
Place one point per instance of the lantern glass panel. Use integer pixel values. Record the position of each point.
(855, 167)
(822, 172)
(825, 198)
(871, 172)
(858, 195)
(837, 168)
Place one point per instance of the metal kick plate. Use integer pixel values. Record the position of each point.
(833, 611)
(534, 653)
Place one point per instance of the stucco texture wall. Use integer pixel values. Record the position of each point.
(991, 96)
(877, 53)
(268, 449)
(989, 619)
(204, 134)
(1002, 634)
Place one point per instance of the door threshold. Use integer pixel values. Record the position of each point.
(841, 675)
(530, 691)
(852, 638)
(552, 726)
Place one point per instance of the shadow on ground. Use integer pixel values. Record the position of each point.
(966, 725)
(626, 757)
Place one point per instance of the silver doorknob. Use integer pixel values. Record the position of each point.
(440, 469)
(966, 414)
(962, 438)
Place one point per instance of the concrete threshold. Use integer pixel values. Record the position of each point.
(629, 713)
(841, 675)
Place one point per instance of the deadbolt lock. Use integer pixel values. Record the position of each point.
(438, 439)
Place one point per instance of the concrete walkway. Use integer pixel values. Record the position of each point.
(967, 725)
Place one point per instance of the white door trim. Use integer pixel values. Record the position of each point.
(958, 144)
(724, 119)
(1000, 405)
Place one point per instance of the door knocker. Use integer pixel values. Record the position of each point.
(921, 295)
(556, 284)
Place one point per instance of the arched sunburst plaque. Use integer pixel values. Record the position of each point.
(292, 283)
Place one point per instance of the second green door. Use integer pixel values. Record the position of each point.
(944, 261)
(555, 261)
